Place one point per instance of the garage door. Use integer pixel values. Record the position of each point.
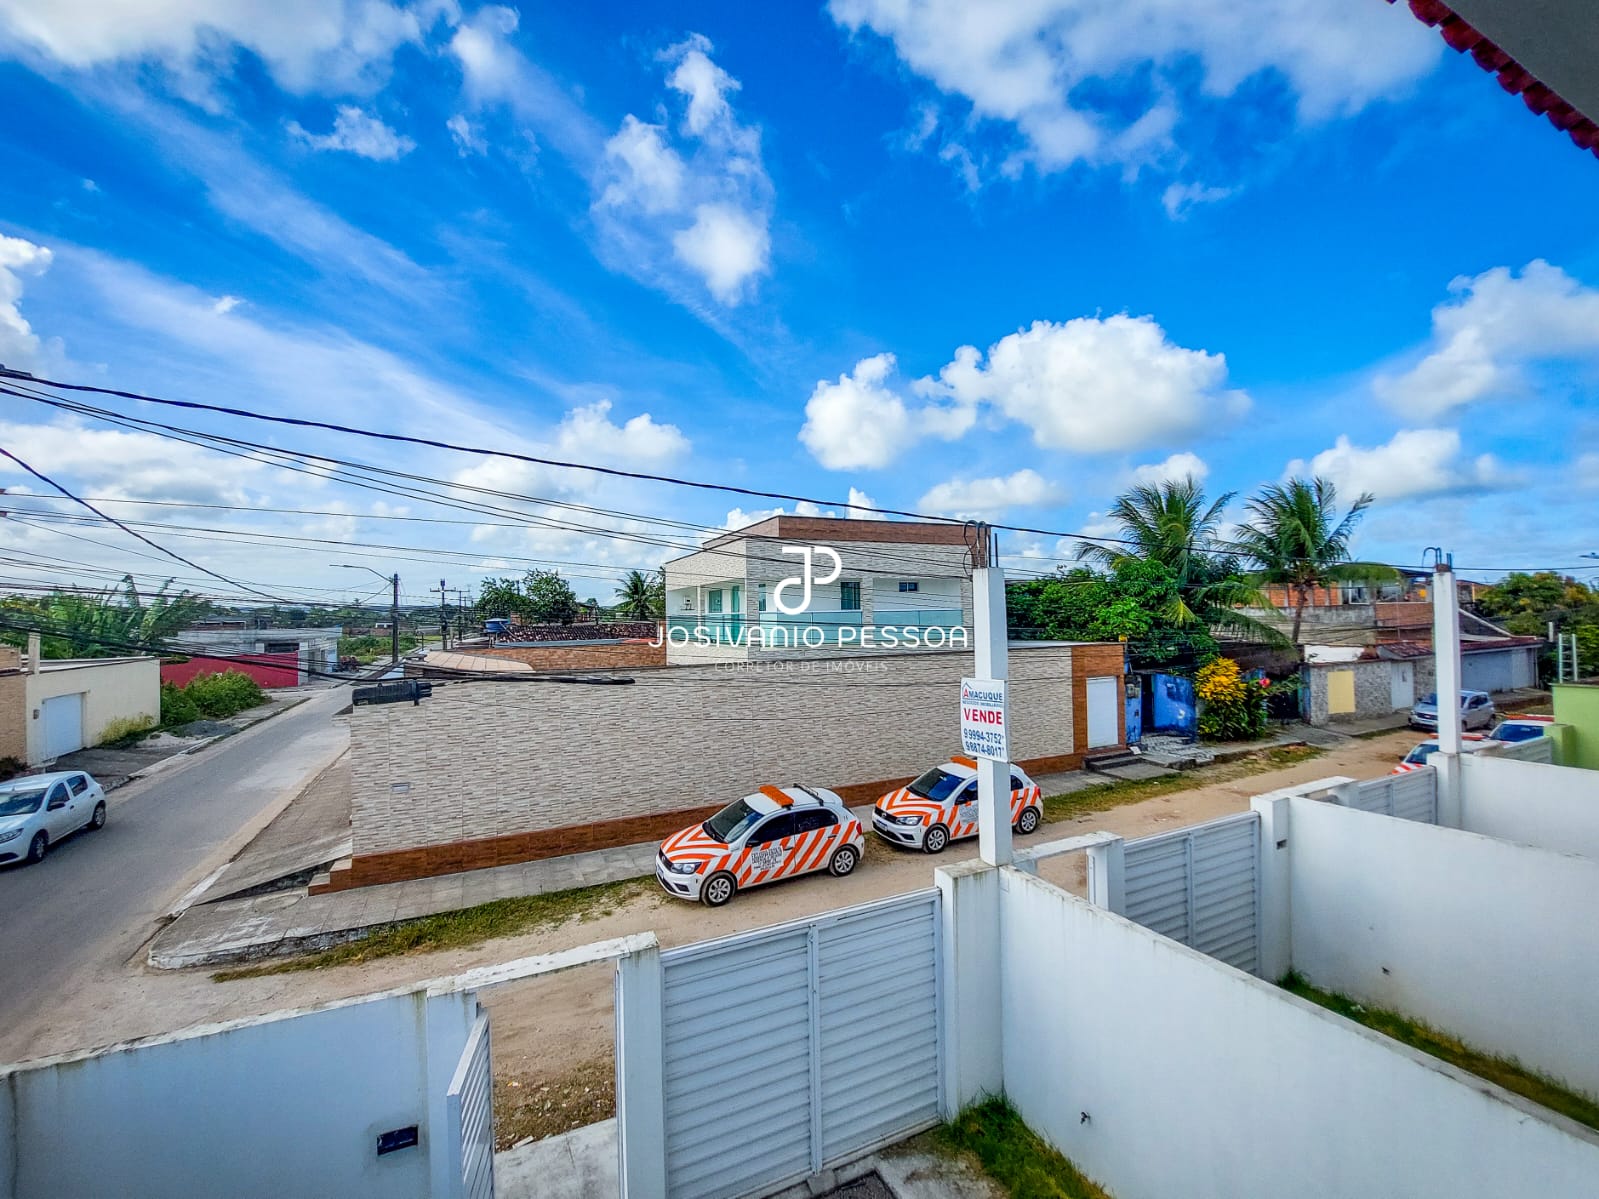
(62, 717)
(1489, 671)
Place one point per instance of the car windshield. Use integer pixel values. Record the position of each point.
(1431, 698)
(937, 784)
(731, 821)
(1419, 755)
(1515, 732)
(21, 802)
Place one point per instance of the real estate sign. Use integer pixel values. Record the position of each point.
(984, 722)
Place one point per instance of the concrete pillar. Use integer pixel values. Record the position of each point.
(992, 662)
(970, 967)
(34, 653)
(1276, 902)
(1107, 876)
(1446, 653)
(640, 1076)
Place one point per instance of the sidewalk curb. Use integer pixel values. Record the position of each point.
(183, 755)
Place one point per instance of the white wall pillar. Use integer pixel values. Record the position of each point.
(640, 1076)
(1107, 876)
(1276, 910)
(973, 1033)
(992, 662)
(1446, 653)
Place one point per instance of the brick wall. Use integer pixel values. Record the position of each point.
(619, 656)
(13, 713)
(485, 773)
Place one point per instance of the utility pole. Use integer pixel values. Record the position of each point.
(444, 615)
(394, 622)
(991, 643)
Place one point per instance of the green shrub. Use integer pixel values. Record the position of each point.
(125, 728)
(218, 696)
(177, 706)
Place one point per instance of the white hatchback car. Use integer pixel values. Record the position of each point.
(38, 810)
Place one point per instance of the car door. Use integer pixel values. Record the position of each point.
(816, 835)
(1479, 712)
(963, 811)
(81, 803)
(769, 851)
(60, 812)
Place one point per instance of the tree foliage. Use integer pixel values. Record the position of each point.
(550, 598)
(1525, 604)
(111, 624)
(642, 596)
(1135, 601)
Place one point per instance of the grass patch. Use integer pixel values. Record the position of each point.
(527, 1110)
(1504, 1071)
(1102, 797)
(1013, 1155)
(457, 930)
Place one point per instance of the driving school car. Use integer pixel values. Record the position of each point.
(776, 833)
(941, 806)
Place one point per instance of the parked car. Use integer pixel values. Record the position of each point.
(41, 810)
(1521, 728)
(941, 806)
(1476, 711)
(776, 833)
(1470, 743)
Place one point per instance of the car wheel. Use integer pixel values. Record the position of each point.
(97, 821)
(1029, 821)
(937, 838)
(718, 889)
(844, 861)
(37, 848)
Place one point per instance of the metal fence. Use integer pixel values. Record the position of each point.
(1411, 796)
(1201, 886)
(470, 1103)
(794, 1048)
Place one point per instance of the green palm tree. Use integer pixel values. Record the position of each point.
(1298, 542)
(1173, 524)
(640, 597)
(107, 624)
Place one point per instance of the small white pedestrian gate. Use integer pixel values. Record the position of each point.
(62, 718)
(797, 1047)
(470, 1107)
(1200, 886)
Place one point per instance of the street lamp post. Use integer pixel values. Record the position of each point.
(394, 607)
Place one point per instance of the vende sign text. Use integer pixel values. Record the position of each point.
(983, 719)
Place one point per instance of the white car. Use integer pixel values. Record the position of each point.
(39, 810)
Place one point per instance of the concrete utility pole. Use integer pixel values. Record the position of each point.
(394, 607)
(444, 616)
(991, 642)
(1446, 654)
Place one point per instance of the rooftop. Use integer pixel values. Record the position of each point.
(830, 528)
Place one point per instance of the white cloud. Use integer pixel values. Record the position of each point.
(1498, 324)
(1414, 462)
(589, 433)
(466, 137)
(860, 505)
(726, 246)
(698, 198)
(1178, 198)
(125, 465)
(740, 519)
(357, 133)
(1031, 65)
(307, 46)
(1095, 384)
(1586, 471)
(973, 498)
(19, 344)
(1184, 465)
(861, 421)
(225, 305)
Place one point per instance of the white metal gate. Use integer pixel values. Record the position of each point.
(1103, 728)
(470, 1105)
(62, 718)
(1201, 886)
(1409, 796)
(798, 1047)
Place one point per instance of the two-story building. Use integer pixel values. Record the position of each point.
(790, 586)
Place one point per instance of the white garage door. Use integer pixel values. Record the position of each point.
(1102, 726)
(62, 717)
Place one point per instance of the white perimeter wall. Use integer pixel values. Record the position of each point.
(1493, 942)
(1552, 807)
(1202, 1082)
(114, 689)
(260, 1110)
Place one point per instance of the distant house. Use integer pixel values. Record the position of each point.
(55, 706)
(793, 586)
(273, 657)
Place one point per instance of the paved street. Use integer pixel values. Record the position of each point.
(92, 904)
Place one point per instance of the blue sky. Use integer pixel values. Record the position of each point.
(996, 263)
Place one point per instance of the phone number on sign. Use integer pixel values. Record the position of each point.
(982, 741)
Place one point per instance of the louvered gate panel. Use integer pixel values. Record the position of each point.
(737, 1078)
(1200, 886)
(1536, 749)
(877, 986)
(1157, 884)
(470, 1105)
(1377, 795)
(1226, 895)
(1415, 795)
(794, 1048)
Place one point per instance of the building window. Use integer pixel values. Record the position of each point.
(909, 585)
(760, 598)
(849, 597)
(713, 601)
